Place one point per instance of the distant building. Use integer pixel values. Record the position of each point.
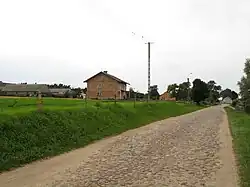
(3, 84)
(227, 100)
(166, 97)
(25, 89)
(59, 91)
(63, 92)
(106, 86)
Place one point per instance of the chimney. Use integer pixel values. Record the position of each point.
(105, 71)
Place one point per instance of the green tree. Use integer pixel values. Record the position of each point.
(214, 91)
(154, 94)
(131, 93)
(199, 91)
(172, 90)
(182, 92)
(244, 85)
(211, 84)
(77, 91)
(234, 95)
(226, 93)
(59, 86)
(84, 90)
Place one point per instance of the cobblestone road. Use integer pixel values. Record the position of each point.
(190, 150)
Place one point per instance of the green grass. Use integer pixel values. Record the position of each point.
(69, 124)
(240, 128)
(23, 105)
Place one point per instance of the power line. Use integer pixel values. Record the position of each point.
(144, 40)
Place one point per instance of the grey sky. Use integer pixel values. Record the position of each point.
(67, 41)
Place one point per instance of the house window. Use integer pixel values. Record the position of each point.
(99, 90)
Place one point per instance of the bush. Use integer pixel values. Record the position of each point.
(247, 106)
(234, 103)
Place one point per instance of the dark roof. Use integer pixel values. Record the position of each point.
(26, 88)
(111, 76)
(3, 84)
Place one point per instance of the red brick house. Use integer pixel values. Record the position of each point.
(106, 86)
(166, 96)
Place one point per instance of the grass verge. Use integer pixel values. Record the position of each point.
(31, 136)
(240, 128)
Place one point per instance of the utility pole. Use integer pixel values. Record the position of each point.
(135, 98)
(188, 89)
(149, 43)
(188, 81)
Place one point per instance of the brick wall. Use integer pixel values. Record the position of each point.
(105, 85)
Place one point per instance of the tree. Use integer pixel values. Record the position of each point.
(234, 95)
(214, 91)
(84, 90)
(217, 88)
(211, 84)
(172, 90)
(131, 93)
(226, 93)
(59, 86)
(199, 91)
(154, 94)
(244, 85)
(182, 92)
(77, 91)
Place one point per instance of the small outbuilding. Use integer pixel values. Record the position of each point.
(227, 100)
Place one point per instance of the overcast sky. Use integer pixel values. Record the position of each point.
(47, 41)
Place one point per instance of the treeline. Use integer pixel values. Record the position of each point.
(72, 92)
(58, 86)
(201, 91)
(154, 94)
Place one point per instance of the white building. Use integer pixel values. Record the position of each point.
(227, 100)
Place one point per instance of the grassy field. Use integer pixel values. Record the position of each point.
(240, 127)
(24, 105)
(27, 135)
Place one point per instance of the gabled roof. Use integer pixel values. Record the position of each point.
(166, 92)
(3, 84)
(106, 74)
(26, 88)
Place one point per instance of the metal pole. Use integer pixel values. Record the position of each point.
(188, 98)
(148, 71)
(135, 98)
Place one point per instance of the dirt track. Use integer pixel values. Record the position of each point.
(190, 150)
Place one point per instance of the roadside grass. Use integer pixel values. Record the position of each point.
(31, 135)
(240, 128)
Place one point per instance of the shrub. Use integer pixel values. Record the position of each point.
(247, 106)
(234, 103)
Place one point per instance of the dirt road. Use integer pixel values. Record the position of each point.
(190, 150)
